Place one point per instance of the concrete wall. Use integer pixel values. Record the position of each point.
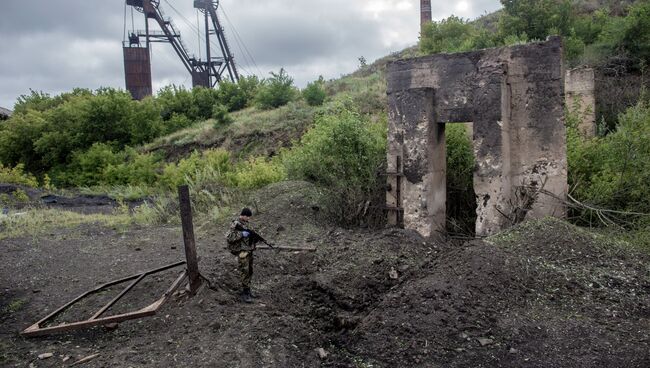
(513, 96)
(580, 93)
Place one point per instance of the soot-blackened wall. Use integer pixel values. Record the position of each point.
(515, 98)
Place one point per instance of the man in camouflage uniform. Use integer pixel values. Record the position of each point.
(242, 245)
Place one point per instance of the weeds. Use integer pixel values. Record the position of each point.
(15, 306)
(39, 221)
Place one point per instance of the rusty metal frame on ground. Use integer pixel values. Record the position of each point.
(37, 328)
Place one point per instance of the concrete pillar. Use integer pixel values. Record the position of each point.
(580, 98)
(414, 133)
(492, 180)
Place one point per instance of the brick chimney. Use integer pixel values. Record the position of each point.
(425, 12)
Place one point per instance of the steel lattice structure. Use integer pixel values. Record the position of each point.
(205, 73)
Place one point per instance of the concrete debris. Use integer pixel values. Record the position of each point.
(484, 341)
(322, 353)
(86, 359)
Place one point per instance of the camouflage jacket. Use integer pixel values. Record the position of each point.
(235, 239)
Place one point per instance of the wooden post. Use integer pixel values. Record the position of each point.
(188, 238)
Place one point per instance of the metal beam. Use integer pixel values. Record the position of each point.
(37, 330)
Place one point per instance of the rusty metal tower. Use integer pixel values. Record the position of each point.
(205, 73)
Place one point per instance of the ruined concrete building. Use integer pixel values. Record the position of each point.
(514, 96)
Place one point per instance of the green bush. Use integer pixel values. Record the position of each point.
(256, 173)
(204, 100)
(452, 34)
(613, 171)
(536, 18)
(221, 116)
(276, 91)
(17, 175)
(195, 104)
(236, 96)
(39, 101)
(176, 122)
(136, 170)
(102, 164)
(87, 167)
(17, 138)
(314, 93)
(344, 153)
(636, 34)
(210, 165)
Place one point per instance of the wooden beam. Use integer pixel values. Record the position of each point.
(188, 238)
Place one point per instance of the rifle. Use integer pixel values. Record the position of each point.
(254, 236)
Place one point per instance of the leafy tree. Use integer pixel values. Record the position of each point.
(17, 137)
(452, 34)
(314, 93)
(176, 100)
(636, 35)
(236, 96)
(276, 91)
(536, 18)
(40, 101)
(204, 100)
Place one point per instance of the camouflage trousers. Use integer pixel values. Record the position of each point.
(245, 260)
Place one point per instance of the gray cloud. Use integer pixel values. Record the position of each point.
(54, 46)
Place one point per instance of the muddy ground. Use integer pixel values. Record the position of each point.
(545, 294)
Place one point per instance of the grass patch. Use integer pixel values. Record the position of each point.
(120, 192)
(39, 221)
(15, 305)
(608, 240)
(292, 118)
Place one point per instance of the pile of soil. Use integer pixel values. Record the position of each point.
(545, 294)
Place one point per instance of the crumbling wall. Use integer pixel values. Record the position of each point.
(513, 96)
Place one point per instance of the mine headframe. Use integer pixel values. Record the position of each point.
(208, 73)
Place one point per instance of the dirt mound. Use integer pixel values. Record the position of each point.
(545, 294)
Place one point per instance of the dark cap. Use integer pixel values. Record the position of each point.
(246, 212)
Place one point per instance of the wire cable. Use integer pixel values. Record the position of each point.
(124, 31)
(237, 36)
(198, 34)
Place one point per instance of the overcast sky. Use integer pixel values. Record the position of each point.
(56, 45)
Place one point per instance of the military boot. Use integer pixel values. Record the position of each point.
(246, 296)
(250, 292)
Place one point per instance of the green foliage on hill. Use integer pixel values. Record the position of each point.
(276, 91)
(613, 171)
(453, 34)
(343, 152)
(596, 38)
(17, 175)
(314, 94)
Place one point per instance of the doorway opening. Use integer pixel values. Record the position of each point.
(461, 198)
